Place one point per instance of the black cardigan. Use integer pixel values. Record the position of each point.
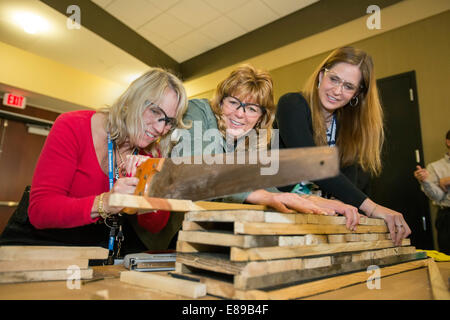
(293, 119)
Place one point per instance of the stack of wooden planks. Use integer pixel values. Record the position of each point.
(45, 263)
(249, 254)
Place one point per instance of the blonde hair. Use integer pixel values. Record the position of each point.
(361, 134)
(247, 81)
(124, 117)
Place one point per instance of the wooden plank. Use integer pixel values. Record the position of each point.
(438, 286)
(268, 253)
(291, 277)
(51, 252)
(180, 180)
(188, 247)
(225, 216)
(274, 217)
(213, 286)
(328, 284)
(257, 228)
(357, 237)
(174, 205)
(221, 264)
(43, 275)
(227, 239)
(30, 265)
(164, 283)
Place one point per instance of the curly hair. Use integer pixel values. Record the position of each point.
(247, 81)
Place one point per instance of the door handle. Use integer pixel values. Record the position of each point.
(417, 156)
(9, 203)
(424, 223)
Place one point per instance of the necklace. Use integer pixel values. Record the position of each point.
(123, 169)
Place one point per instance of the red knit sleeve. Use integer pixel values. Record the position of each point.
(52, 203)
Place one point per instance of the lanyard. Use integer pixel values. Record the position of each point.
(331, 133)
(113, 222)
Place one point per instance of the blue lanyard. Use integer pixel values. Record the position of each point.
(110, 163)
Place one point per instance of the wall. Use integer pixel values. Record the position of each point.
(422, 46)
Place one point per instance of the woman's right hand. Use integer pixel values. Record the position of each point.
(350, 212)
(125, 185)
(286, 202)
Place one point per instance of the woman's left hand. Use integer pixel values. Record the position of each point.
(133, 162)
(395, 221)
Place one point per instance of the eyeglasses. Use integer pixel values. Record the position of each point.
(250, 109)
(159, 115)
(335, 81)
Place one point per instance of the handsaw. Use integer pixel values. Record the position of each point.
(168, 179)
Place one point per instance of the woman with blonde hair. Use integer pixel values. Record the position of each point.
(84, 160)
(339, 106)
(243, 103)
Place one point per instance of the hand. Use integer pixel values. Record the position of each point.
(396, 224)
(287, 202)
(444, 183)
(133, 162)
(125, 185)
(350, 212)
(421, 174)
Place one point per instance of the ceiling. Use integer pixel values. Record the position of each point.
(119, 39)
(184, 29)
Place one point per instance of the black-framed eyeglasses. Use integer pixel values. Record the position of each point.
(160, 115)
(250, 109)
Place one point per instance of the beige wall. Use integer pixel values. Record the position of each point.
(423, 46)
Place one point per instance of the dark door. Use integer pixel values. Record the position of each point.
(19, 152)
(397, 188)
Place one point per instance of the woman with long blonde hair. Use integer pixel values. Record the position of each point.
(84, 160)
(339, 106)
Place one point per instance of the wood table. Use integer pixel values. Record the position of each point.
(408, 285)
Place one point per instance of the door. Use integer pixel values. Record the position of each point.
(19, 152)
(396, 187)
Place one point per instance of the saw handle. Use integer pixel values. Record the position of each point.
(145, 173)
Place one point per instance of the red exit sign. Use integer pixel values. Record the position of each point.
(14, 100)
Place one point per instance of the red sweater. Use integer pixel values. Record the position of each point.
(68, 177)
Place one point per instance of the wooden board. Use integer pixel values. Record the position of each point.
(268, 253)
(274, 217)
(199, 181)
(298, 229)
(438, 287)
(263, 274)
(51, 252)
(164, 283)
(30, 265)
(145, 203)
(227, 239)
(43, 275)
(227, 290)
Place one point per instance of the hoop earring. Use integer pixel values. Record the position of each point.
(352, 101)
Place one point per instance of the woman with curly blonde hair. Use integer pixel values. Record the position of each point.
(243, 103)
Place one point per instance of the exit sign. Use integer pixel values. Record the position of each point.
(14, 100)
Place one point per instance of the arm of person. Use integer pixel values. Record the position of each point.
(295, 125)
(295, 128)
(50, 204)
(430, 183)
